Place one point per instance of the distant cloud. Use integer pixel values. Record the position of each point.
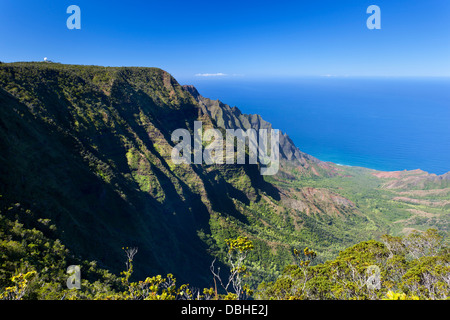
(334, 75)
(211, 74)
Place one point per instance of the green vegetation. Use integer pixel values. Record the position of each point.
(393, 210)
(86, 169)
(414, 267)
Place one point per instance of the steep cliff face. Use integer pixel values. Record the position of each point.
(232, 118)
(85, 147)
(90, 149)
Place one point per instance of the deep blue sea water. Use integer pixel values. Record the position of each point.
(381, 123)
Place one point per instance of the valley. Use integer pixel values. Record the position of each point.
(86, 159)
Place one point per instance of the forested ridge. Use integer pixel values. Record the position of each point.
(86, 178)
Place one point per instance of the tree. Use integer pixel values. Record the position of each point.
(20, 287)
(414, 267)
(238, 250)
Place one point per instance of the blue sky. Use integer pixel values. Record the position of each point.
(235, 38)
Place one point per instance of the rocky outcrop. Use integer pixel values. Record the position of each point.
(232, 118)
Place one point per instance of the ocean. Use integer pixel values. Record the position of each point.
(386, 124)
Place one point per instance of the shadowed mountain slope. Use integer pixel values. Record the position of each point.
(89, 148)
